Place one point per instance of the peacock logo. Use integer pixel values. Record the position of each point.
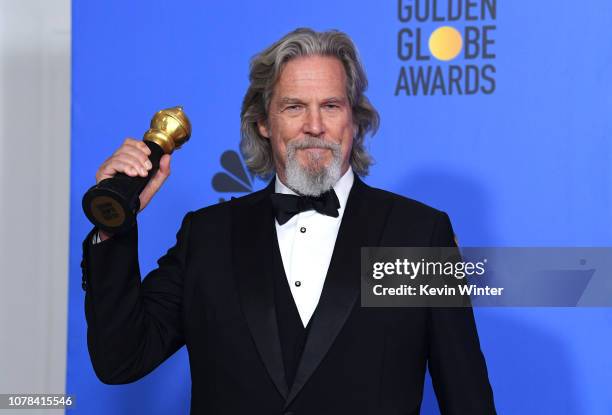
(235, 179)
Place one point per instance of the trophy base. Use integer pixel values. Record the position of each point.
(108, 209)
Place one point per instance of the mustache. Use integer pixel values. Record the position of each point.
(312, 142)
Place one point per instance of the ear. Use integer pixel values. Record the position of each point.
(262, 127)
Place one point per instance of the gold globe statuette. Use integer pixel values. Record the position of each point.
(112, 204)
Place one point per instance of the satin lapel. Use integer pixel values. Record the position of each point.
(362, 225)
(253, 242)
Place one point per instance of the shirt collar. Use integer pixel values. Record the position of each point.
(342, 186)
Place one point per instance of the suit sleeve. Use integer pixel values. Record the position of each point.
(132, 326)
(456, 363)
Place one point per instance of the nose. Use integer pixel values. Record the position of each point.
(313, 124)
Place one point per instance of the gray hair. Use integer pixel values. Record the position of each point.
(264, 72)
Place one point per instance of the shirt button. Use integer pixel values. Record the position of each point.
(303, 229)
(298, 283)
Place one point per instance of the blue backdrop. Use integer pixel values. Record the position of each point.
(512, 138)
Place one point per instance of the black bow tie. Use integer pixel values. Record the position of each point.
(286, 206)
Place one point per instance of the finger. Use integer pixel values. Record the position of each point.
(133, 143)
(147, 193)
(129, 141)
(142, 146)
(132, 161)
(151, 188)
(122, 166)
(164, 164)
(110, 169)
(156, 181)
(137, 153)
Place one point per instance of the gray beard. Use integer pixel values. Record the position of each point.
(309, 181)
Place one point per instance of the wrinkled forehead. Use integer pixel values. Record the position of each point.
(311, 76)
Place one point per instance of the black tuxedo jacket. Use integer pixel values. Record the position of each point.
(213, 293)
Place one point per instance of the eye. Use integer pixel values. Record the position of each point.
(331, 106)
(292, 108)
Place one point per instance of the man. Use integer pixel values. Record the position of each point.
(263, 290)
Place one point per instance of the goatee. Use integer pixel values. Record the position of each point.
(315, 178)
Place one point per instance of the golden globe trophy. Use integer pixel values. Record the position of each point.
(112, 204)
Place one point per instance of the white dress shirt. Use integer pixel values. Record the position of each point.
(306, 245)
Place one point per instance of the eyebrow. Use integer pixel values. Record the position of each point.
(291, 100)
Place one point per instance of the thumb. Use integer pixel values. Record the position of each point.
(164, 165)
(155, 183)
